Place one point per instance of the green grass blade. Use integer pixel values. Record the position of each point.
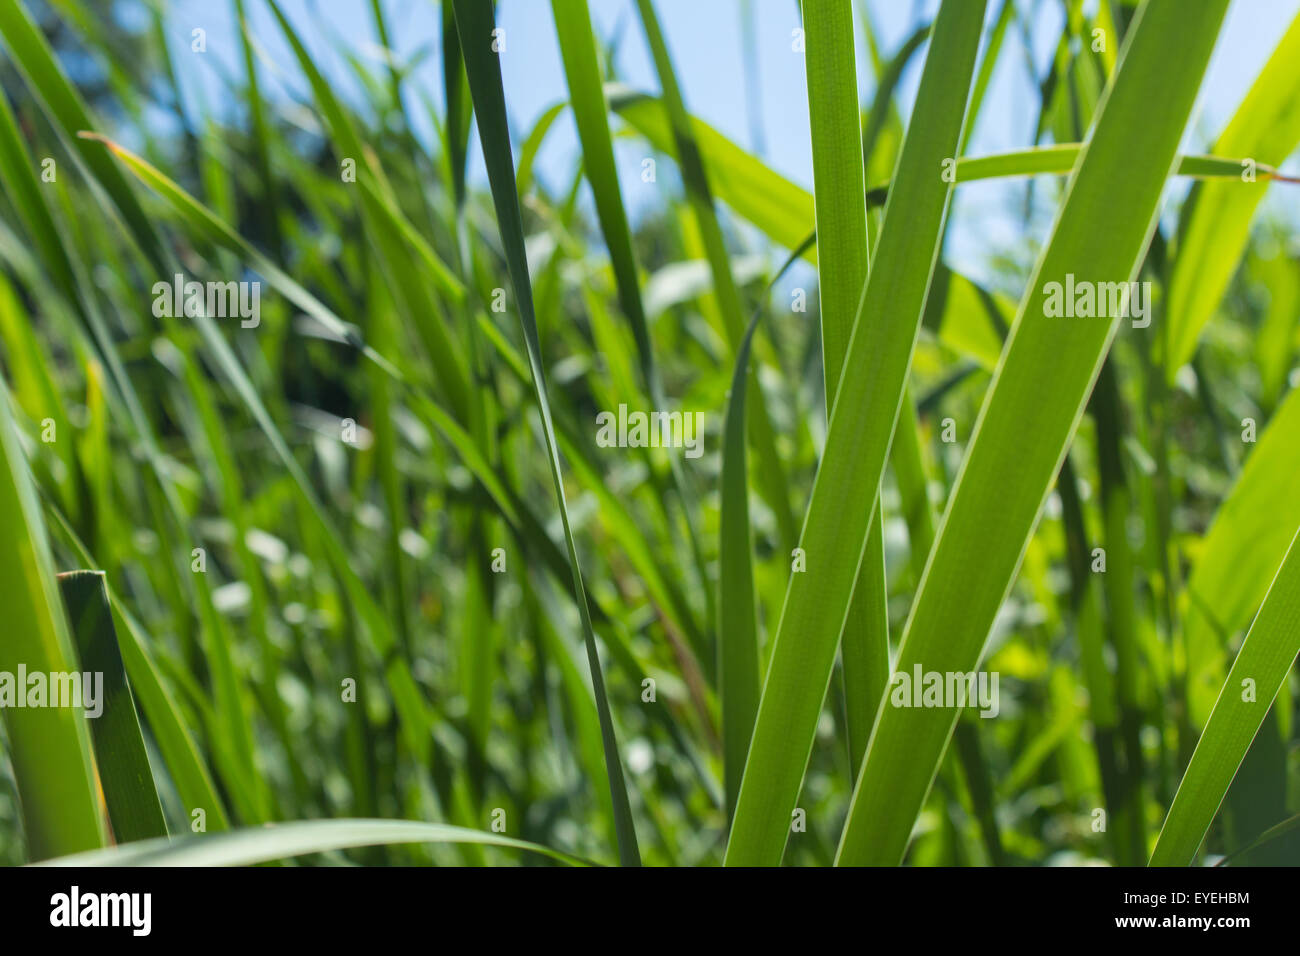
(861, 426)
(864, 645)
(180, 755)
(738, 664)
(475, 23)
(1266, 128)
(1060, 160)
(528, 149)
(1040, 389)
(282, 841)
(839, 188)
(460, 106)
(49, 747)
(839, 201)
(124, 772)
(1122, 614)
(1262, 664)
(35, 391)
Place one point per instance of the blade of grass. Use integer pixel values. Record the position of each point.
(1085, 607)
(779, 208)
(281, 841)
(1275, 342)
(738, 664)
(861, 426)
(49, 747)
(19, 176)
(1061, 159)
(839, 204)
(36, 393)
(460, 105)
(1040, 387)
(124, 772)
(180, 755)
(1119, 585)
(586, 96)
(475, 23)
(739, 670)
(1262, 664)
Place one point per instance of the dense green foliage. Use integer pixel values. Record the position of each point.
(368, 570)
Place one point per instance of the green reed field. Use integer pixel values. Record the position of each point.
(427, 512)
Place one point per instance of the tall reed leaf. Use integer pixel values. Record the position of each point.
(839, 199)
(475, 23)
(738, 664)
(861, 425)
(49, 747)
(124, 771)
(189, 774)
(1032, 409)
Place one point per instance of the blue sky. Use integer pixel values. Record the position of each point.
(705, 39)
